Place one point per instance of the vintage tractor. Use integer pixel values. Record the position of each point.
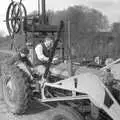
(85, 95)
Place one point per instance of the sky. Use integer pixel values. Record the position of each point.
(110, 8)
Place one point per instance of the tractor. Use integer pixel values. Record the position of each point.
(90, 95)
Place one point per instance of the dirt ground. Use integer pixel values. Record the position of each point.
(36, 111)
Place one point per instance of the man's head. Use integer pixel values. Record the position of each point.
(48, 42)
(24, 51)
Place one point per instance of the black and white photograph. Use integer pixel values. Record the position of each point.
(60, 60)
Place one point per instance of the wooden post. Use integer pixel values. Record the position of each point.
(63, 50)
(69, 50)
(70, 55)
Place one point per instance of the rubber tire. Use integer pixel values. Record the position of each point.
(21, 92)
(65, 112)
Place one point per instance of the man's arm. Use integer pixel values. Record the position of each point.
(28, 62)
(39, 52)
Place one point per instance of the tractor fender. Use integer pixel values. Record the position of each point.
(99, 94)
(91, 84)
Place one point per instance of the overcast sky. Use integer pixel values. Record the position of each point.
(110, 8)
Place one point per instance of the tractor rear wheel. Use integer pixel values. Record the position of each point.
(16, 89)
(65, 113)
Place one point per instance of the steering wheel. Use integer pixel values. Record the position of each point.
(16, 12)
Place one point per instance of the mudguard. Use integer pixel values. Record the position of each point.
(98, 93)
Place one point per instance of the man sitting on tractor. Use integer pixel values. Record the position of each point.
(43, 51)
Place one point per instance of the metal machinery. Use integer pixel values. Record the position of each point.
(17, 21)
(84, 92)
